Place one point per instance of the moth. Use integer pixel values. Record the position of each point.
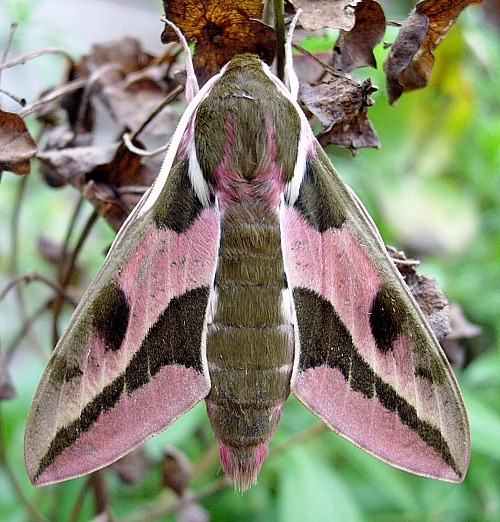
(248, 270)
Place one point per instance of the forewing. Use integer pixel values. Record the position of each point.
(132, 359)
(366, 362)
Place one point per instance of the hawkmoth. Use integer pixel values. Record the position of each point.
(248, 270)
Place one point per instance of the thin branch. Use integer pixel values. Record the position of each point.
(78, 503)
(90, 84)
(309, 433)
(171, 96)
(325, 66)
(279, 29)
(67, 270)
(21, 101)
(35, 54)
(52, 95)
(25, 328)
(142, 152)
(14, 254)
(34, 276)
(70, 265)
(6, 50)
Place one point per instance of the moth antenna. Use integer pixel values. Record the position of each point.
(291, 79)
(192, 86)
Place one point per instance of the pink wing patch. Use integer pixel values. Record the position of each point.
(368, 424)
(143, 363)
(132, 420)
(391, 398)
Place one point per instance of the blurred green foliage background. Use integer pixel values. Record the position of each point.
(433, 190)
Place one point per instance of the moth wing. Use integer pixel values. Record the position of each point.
(367, 362)
(132, 359)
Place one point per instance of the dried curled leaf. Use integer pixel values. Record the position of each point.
(132, 467)
(354, 48)
(424, 289)
(69, 164)
(221, 28)
(340, 105)
(461, 328)
(16, 144)
(7, 390)
(176, 470)
(318, 14)
(410, 59)
(98, 172)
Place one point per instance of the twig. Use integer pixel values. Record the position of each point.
(171, 96)
(325, 66)
(14, 253)
(21, 101)
(78, 503)
(25, 327)
(35, 54)
(34, 276)
(67, 270)
(279, 29)
(90, 84)
(52, 95)
(6, 49)
(309, 433)
(141, 152)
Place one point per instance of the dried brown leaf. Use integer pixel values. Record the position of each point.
(105, 201)
(221, 28)
(7, 390)
(341, 106)
(127, 52)
(99, 173)
(132, 467)
(16, 144)
(70, 164)
(410, 59)
(354, 48)
(176, 470)
(430, 299)
(130, 108)
(461, 329)
(318, 14)
(192, 512)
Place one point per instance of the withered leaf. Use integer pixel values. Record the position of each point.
(354, 48)
(69, 164)
(340, 105)
(7, 390)
(176, 470)
(221, 28)
(98, 172)
(130, 108)
(430, 299)
(103, 183)
(16, 144)
(410, 59)
(191, 511)
(318, 14)
(132, 467)
(127, 52)
(105, 201)
(461, 328)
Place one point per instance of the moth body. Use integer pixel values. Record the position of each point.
(250, 343)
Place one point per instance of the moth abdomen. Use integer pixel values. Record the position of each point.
(249, 342)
